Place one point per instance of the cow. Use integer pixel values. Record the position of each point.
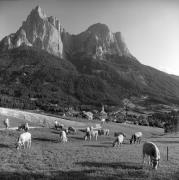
(23, 139)
(151, 150)
(136, 137)
(90, 132)
(71, 129)
(24, 127)
(119, 140)
(6, 123)
(63, 136)
(58, 125)
(87, 135)
(103, 132)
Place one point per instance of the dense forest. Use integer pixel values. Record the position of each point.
(32, 79)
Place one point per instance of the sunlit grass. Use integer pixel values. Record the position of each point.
(79, 159)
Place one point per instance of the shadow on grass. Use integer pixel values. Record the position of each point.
(122, 165)
(97, 145)
(165, 137)
(55, 132)
(158, 134)
(167, 142)
(77, 138)
(107, 143)
(4, 146)
(45, 139)
(55, 175)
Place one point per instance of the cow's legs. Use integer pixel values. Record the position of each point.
(143, 159)
(149, 160)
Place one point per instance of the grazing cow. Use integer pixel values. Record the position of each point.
(58, 125)
(24, 127)
(119, 140)
(136, 137)
(103, 132)
(71, 129)
(90, 132)
(6, 123)
(87, 135)
(151, 150)
(23, 139)
(63, 136)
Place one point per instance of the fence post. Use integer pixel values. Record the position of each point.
(167, 153)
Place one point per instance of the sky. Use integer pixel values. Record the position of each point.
(150, 28)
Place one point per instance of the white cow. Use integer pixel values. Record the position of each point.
(90, 132)
(136, 137)
(63, 136)
(119, 140)
(23, 139)
(151, 150)
(58, 125)
(6, 123)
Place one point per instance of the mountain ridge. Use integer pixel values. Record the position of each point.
(43, 66)
(47, 33)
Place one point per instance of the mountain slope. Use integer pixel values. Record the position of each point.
(43, 66)
(33, 78)
(98, 41)
(38, 31)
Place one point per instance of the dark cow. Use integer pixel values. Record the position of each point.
(103, 132)
(24, 126)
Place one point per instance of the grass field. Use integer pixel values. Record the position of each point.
(79, 159)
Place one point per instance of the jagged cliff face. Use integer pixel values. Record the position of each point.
(94, 67)
(38, 31)
(46, 33)
(98, 41)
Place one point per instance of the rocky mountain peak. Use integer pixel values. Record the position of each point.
(99, 28)
(38, 31)
(38, 11)
(98, 41)
(47, 33)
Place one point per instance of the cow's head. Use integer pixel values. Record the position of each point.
(18, 145)
(155, 163)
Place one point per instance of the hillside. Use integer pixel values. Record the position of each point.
(78, 159)
(42, 66)
(33, 79)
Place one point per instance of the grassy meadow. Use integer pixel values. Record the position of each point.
(78, 159)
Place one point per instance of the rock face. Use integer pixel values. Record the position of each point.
(38, 31)
(46, 33)
(98, 41)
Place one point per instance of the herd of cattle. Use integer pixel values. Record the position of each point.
(149, 149)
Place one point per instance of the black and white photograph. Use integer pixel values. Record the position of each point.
(89, 89)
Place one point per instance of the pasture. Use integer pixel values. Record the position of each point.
(78, 159)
